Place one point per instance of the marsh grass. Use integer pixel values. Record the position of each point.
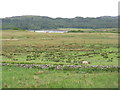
(65, 48)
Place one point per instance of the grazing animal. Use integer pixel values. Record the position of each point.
(85, 62)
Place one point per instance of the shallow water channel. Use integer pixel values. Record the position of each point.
(48, 31)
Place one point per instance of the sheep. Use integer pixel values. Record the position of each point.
(85, 62)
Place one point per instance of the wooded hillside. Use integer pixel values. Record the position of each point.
(43, 22)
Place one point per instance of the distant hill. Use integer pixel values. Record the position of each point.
(43, 22)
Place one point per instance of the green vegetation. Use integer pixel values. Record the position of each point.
(21, 46)
(101, 30)
(20, 77)
(42, 22)
(55, 48)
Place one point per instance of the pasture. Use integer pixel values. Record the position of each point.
(21, 77)
(26, 47)
(64, 48)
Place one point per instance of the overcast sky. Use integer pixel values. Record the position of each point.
(59, 8)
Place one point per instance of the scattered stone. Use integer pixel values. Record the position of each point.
(47, 66)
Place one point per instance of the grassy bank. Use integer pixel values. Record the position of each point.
(84, 30)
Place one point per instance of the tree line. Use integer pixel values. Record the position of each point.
(44, 22)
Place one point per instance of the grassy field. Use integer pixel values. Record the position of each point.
(20, 77)
(54, 48)
(64, 48)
